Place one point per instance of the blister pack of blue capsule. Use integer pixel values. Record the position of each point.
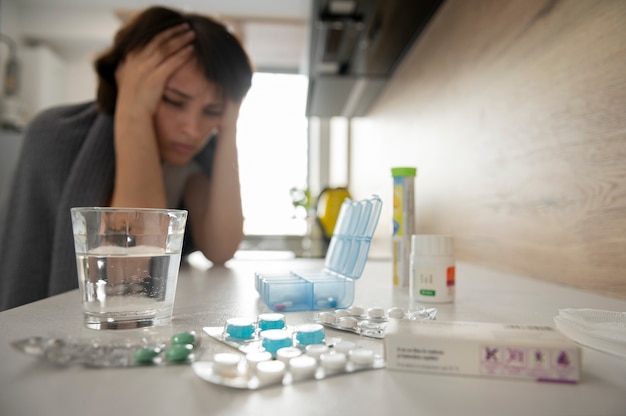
(333, 286)
(272, 353)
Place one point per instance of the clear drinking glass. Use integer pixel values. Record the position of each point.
(127, 261)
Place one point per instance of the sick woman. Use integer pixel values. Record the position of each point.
(160, 134)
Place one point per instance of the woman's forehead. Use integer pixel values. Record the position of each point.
(190, 80)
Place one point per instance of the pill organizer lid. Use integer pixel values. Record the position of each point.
(349, 245)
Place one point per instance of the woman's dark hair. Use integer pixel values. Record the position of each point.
(218, 52)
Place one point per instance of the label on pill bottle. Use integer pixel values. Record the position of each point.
(435, 285)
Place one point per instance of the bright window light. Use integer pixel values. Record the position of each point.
(272, 144)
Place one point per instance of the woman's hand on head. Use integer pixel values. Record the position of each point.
(142, 74)
(231, 115)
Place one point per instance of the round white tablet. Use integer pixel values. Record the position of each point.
(376, 312)
(225, 363)
(303, 367)
(253, 358)
(326, 317)
(287, 353)
(341, 312)
(395, 312)
(333, 362)
(362, 356)
(344, 346)
(316, 350)
(270, 371)
(356, 310)
(348, 322)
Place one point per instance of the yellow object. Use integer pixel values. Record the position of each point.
(328, 207)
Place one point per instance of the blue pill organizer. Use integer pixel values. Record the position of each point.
(333, 286)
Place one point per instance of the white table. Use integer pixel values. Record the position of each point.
(208, 296)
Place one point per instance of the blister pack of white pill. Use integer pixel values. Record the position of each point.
(261, 369)
(371, 322)
(274, 353)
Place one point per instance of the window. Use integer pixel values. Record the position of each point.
(272, 143)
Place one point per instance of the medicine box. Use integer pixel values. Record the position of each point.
(333, 286)
(539, 353)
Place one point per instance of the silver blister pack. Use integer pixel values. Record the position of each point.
(371, 322)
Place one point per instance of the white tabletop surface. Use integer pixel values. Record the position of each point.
(207, 296)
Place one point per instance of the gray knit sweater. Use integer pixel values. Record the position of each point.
(67, 160)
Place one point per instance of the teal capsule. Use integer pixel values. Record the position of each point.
(146, 355)
(271, 321)
(184, 338)
(178, 352)
(240, 328)
(307, 334)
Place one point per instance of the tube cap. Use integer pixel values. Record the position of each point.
(403, 171)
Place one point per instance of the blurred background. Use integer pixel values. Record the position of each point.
(512, 111)
(312, 76)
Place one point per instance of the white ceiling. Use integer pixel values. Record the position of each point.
(256, 8)
(275, 32)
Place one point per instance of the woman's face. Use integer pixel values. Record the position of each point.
(189, 113)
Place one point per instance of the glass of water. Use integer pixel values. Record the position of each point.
(127, 261)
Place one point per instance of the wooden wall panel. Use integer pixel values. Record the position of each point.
(515, 114)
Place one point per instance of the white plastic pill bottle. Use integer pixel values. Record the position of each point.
(432, 269)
